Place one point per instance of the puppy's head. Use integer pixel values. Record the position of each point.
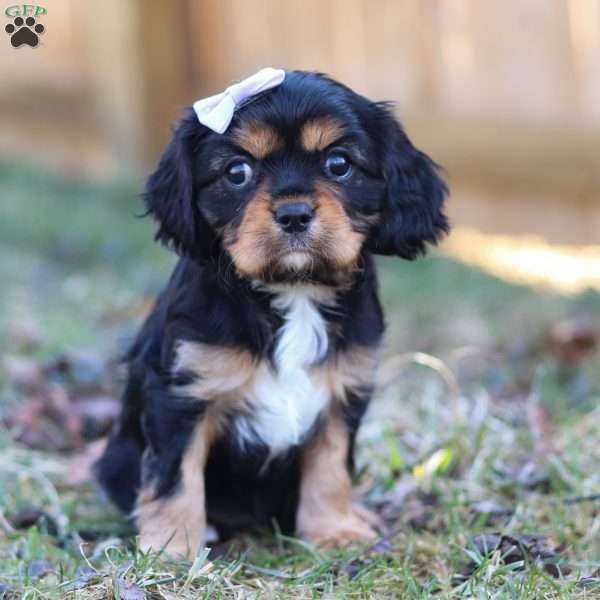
(306, 176)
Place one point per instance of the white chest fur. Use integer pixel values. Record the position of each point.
(286, 400)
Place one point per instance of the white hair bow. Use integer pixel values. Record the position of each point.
(217, 111)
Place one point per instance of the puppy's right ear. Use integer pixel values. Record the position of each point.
(412, 211)
(171, 195)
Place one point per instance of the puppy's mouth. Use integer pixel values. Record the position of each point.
(296, 252)
(297, 260)
(296, 242)
(310, 256)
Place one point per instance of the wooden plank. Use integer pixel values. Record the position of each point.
(140, 75)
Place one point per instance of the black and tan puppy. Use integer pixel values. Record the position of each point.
(248, 381)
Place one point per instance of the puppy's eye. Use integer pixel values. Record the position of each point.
(338, 165)
(239, 173)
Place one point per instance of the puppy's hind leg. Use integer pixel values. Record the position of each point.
(119, 468)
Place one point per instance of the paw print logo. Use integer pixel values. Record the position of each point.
(24, 32)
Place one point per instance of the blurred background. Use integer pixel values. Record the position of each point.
(504, 95)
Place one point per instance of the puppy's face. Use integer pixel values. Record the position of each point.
(307, 175)
(301, 197)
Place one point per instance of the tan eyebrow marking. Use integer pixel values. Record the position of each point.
(258, 139)
(317, 134)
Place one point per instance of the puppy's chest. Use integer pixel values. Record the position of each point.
(272, 402)
(288, 393)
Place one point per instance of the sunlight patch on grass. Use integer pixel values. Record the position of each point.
(528, 260)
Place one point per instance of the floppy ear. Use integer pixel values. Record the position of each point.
(170, 194)
(412, 209)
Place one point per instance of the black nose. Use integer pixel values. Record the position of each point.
(294, 217)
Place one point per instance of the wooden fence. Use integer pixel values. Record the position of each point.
(506, 95)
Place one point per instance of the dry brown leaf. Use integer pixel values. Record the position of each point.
(573, 340)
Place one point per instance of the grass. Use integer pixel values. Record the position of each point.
(516, 453)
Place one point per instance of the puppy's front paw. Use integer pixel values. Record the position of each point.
(177, 549)
(340, 530)
(178, 544)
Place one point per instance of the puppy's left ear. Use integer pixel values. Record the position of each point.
(412, 214)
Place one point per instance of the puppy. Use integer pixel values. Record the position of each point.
(249, 379)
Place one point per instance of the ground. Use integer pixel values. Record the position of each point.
(482, 456)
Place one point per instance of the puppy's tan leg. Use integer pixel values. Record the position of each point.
(326, 514)
(178, 521)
